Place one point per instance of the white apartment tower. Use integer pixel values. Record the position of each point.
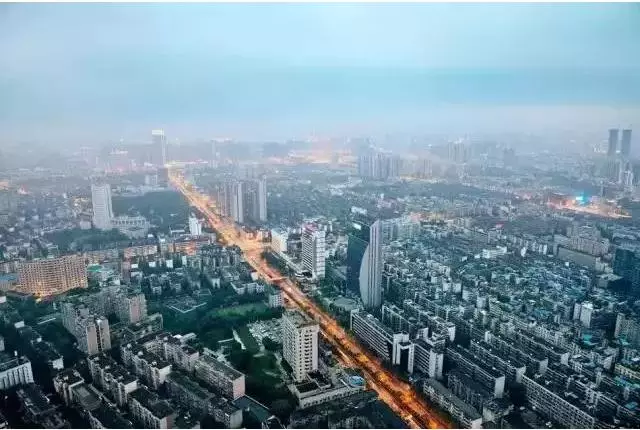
(195, 226)
(300, 343)
(262, 200)
(102, 209)
(159, 150)
(93, 334)
(237, 202)
(313, 251)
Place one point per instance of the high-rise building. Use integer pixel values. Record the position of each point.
(93, 334)
(377, 165)
(300, 343)
(213, 163)
(195, 226)
(262, 200)
(237, 201)
(313, 251)
(625, 143)
(255, 199)
(159, 148)
(131, 308)
(52, 275)
(364, 262)
(613, 142)
(102, 209)
(163, 177)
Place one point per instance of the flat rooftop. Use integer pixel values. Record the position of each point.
(298, 318)
(218, 366)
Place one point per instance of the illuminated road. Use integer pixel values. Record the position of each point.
(397, 394)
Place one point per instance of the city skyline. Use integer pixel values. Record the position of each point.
(394, 68)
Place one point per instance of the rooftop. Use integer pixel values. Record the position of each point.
(218, 366)
(298, 319)
(110, 418)
(32, 397)
(151, 401)
(70, 376)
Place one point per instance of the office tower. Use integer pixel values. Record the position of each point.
(313, 251)
(300, 343)
(159, 148)
(613, 142)
(195, 226)
(52, 275)
(102, 209)
(625, 143)
(364, 262)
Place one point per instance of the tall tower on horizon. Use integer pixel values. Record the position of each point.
(262, 200)
(625, 143)
(102, 208)
(159, 148)
(613, 142)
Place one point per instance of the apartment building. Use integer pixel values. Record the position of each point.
(112, 378)
(392, 347)
(48, 276)
(300, 343)
(14, 371)
(226, 379)
(149, 411)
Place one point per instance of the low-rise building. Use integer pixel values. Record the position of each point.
(459, 410)
(318, 390)
(14, 371)
(150, 367)
(64, 382)
(112, 378)
(108, 417)
(37, 408)
(274, 297)
(395, 348)
(228, 380)
(149, 411)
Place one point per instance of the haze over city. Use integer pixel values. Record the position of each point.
(81, 73)
(299, 216)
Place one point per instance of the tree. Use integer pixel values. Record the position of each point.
(271, 345)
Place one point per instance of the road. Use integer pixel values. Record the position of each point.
(397, 394)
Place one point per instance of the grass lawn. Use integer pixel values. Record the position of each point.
(247, 339)
(239, 309)
(211, 338)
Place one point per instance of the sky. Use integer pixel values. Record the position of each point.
(94, 72)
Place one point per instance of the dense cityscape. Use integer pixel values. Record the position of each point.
(319, 216)
(322, 284)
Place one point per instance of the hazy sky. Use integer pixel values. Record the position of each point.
(202, 70)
